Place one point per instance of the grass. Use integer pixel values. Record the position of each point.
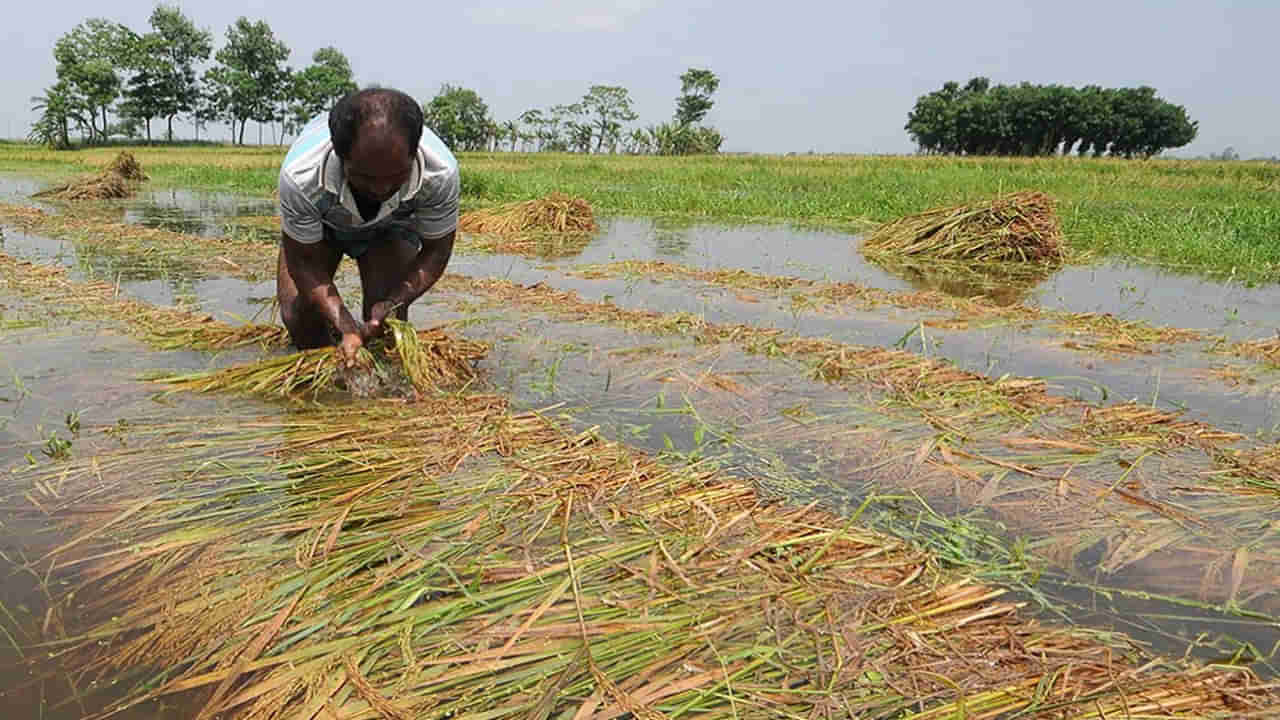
(1189, 216)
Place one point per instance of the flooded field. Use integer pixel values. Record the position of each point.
(1107, 491)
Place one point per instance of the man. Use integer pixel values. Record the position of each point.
(369, 181)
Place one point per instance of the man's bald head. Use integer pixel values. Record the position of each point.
(377, 117)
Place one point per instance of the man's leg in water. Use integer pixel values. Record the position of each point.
(307, 325)
(384, 266)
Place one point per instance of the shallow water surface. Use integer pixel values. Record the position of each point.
(660, 394)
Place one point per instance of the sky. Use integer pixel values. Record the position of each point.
(831, 77)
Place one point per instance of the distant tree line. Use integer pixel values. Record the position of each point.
(1027, 119)
(107, 70)
(595, 123)
(113, 81)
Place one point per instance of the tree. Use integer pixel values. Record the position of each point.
(178, 45)
(534, 119)
(57, 109)
(1027, 119)
(458, 117)
(317, 87)
(208, 109)
(511, 131)
(250, 78)
(87, 60)
(696, 88)
(608, 106)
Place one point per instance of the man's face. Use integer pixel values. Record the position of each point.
(379, 165)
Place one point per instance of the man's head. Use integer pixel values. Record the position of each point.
(376, 132)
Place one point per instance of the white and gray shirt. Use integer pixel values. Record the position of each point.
(314, 192)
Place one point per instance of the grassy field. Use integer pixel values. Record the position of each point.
(1219, 219)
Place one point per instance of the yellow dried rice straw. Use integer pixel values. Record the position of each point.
(119, 179)
(555, 213)
(429, 361)
(1017, 227)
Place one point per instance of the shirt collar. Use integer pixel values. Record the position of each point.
(335, 182)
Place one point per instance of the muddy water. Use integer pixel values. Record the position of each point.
(1125, 289)
(692, 403)
(1166, 380)
(654, 393)
(644, 402)
(192, 212)
(61, 384)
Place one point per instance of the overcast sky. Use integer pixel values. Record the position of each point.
(834, 76)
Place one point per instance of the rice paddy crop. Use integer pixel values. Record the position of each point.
(307, 598)
(1103, 331)
(1018, 227)
(450, 558)
(539, 244)
(929, 397)
(166, 328)
(1186, 215)
(424, 361)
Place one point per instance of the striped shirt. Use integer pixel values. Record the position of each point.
(314, 192)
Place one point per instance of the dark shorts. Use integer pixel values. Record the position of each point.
(354, 243)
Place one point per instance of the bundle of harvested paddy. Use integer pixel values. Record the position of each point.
(119, 179)
(125, 165)
(427, 361)
(555, 213)
(1017, 227)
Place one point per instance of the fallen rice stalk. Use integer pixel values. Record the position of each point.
(429, 360)
(537, 572)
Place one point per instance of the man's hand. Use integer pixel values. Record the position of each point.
(378, 319)
(350, 347)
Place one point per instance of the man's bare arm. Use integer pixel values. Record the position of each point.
(309, 269)
(428, 266)
(427, 269)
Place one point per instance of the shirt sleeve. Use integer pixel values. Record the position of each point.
(437, 205)
(299, 217)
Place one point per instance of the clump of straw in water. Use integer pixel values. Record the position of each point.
(119, 179)
(1018, 227)
(427, 361)
(557, 213)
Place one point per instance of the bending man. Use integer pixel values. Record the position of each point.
(367, 180)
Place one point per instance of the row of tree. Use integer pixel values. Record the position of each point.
(595, 123)
(1027, 119)
(105, 68)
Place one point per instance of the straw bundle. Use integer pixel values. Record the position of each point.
(422, 362)
(1018, 227)
(126, 166)
(118, 179)
(555, 213)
